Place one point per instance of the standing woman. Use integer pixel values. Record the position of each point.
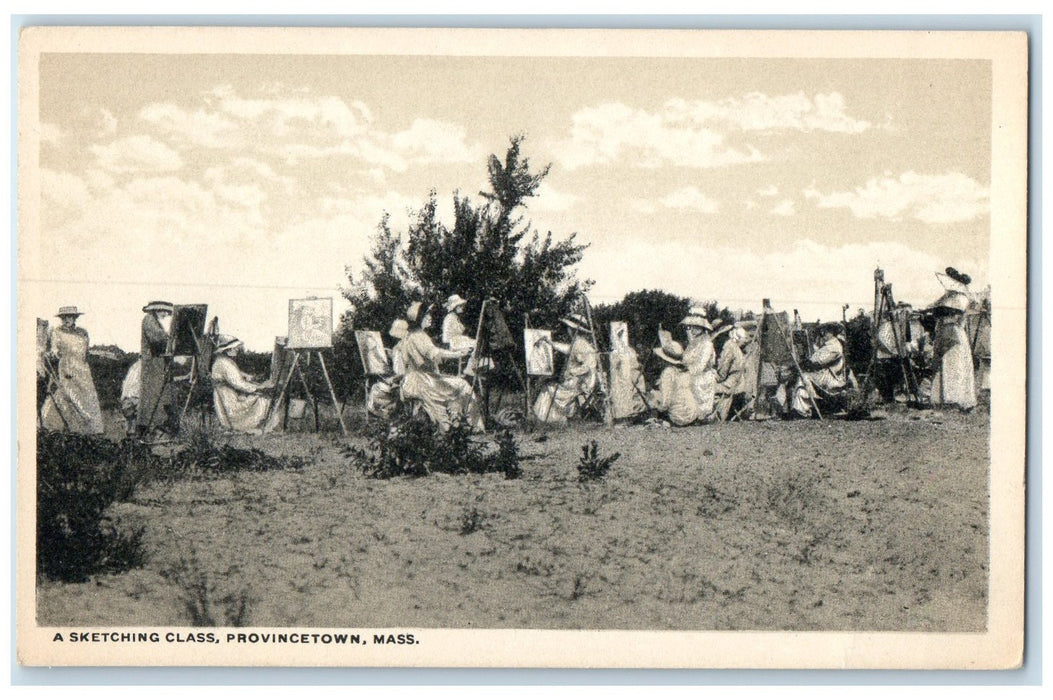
(443, 398)
(700, 358)
(73, 404)
(155, 399)
(954, 383)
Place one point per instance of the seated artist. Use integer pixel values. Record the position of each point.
(558, 401)
(825, 370)
(383, 394)
(242, 405)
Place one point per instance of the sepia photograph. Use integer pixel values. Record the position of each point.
(768, 410)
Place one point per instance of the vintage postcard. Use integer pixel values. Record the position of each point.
(595, 348)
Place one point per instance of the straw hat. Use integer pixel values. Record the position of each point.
(417, 311)
(696, 322)
(226, 342)
(399, 329)
(454, 301)
(158, 306)
(68, 311)
(577, 322)
(669, 350)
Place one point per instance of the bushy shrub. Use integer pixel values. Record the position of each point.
(591, 466)
(202, 454)
(411, 445)
(78, 478)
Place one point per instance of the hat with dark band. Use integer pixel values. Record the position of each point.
(68, 311)
(158, 306)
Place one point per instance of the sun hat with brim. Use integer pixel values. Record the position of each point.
(399, 328)
(417, 311)
(158, 306)
(227, 342)
(576, 321)
(697, 322)
(954, 301)
(454, 301)
(668, 349)
(68, 311)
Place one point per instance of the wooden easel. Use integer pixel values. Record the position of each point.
(282, 393)
(169, 379)
(882, 311)
(483, 350)
(765, 308)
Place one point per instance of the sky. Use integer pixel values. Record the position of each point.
(243, 181)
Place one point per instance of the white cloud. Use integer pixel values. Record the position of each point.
(297, 126)
(137, 154)
(806, 275)
(692, 133)
(549, 199)
(107, 123)
(612, 131)
(690, 198)
(934, 199)
(769, 191)
(759, 112)
(784, 208)
(643, 206)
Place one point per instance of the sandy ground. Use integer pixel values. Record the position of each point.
(804, 525)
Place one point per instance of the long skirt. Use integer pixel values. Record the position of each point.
(443, 398)
(954, 383)
(73, 404)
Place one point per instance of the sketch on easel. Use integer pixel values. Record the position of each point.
(310, 323)
(538, 346)
(371, 351)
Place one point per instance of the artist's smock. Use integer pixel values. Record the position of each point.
(454, 334)
(954, 383)
(558, 401)
(700, 361)
(675, 396)
(238, 405)
(443, 398)
(73, 404)
(155, 398)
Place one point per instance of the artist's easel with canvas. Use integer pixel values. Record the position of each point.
(601, 390)
(310, 331)
(776, 346)
(186, 339)
(884, 310)
(493, 340)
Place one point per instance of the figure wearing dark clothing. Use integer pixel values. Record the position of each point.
(156, 408)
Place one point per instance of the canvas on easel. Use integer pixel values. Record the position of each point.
(188, 328)
(375, 362)
(537, 346)
(310, 331)
(310, 323)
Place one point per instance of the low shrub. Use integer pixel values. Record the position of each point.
(78, 478)
(409, 444)
(591, 466)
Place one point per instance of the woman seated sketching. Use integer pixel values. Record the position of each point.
(241, 404)
(558, 401)
(443, 398)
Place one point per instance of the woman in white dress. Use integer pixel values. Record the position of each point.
(558, 401)
(954, 383)
(443, 398)
(700, 358)
(72, 405)
(241, 404)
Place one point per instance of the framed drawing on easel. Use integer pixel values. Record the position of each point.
(310, 323)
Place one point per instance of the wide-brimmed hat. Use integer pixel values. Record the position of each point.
(697, 322)
(576, 321)
(668, 349)
(68, 311)
(399, 328)
(954, 301)
(226, 342)
(417, 311)
(158, 306)
(454, 301)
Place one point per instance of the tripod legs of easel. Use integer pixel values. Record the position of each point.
(295, 368)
